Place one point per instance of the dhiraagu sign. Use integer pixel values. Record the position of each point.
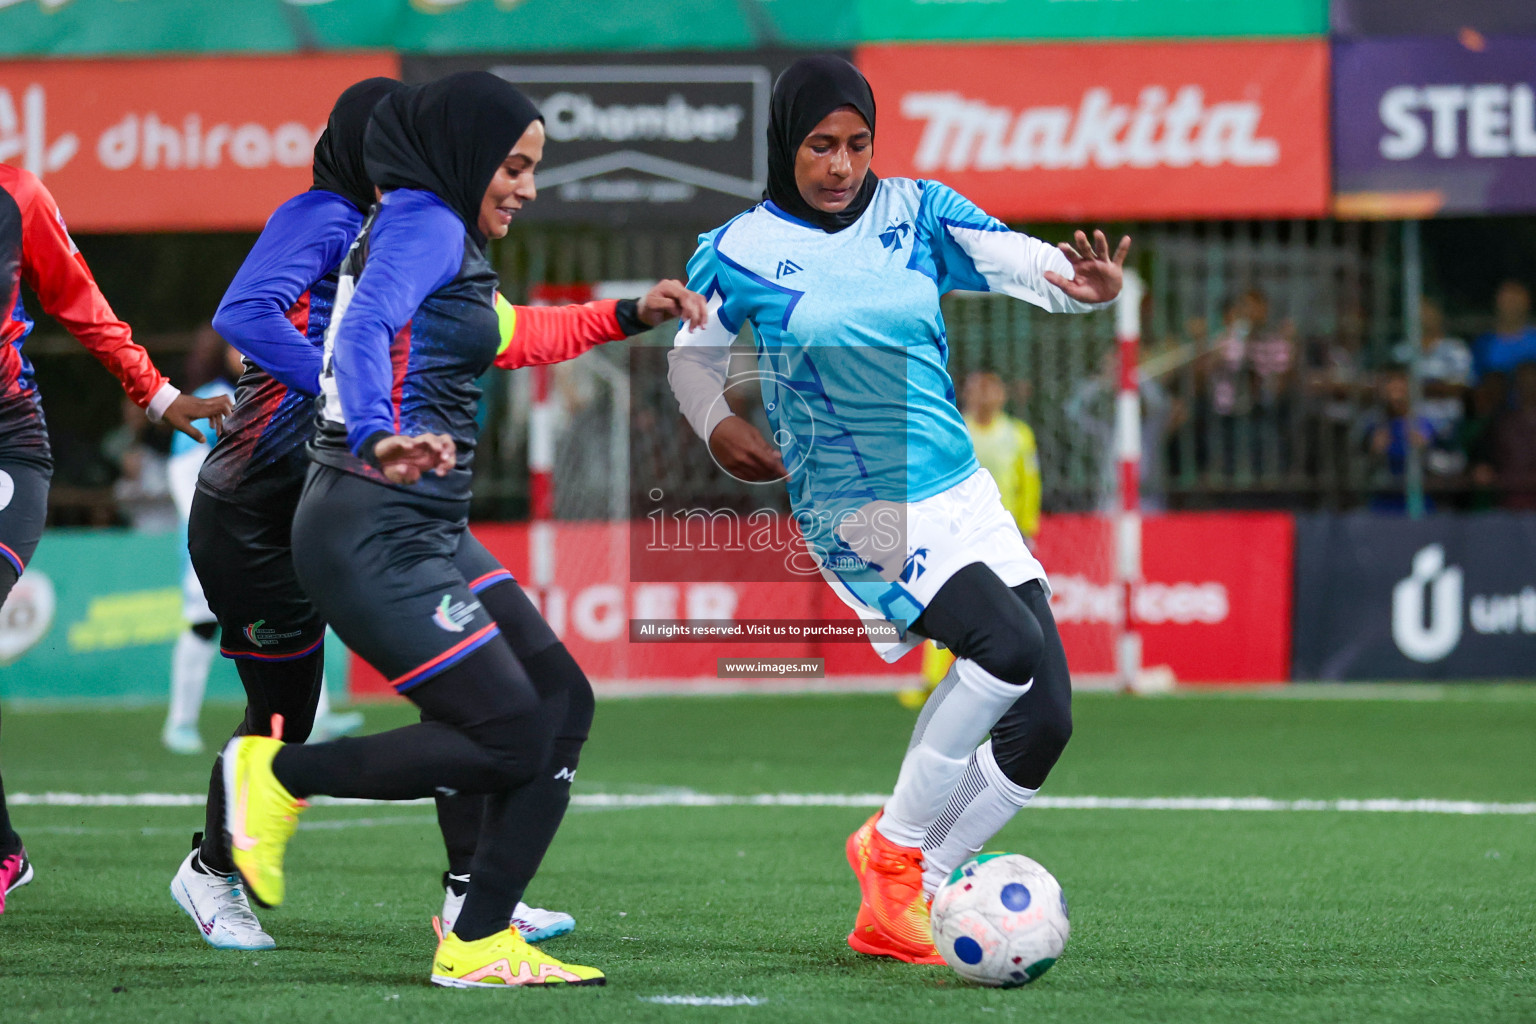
(94, 617)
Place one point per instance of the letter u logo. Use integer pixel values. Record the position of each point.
(1432, 641)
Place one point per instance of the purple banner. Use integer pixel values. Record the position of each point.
(1431, 17)
(1432, 126)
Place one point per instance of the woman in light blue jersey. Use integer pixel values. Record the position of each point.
(840, 275)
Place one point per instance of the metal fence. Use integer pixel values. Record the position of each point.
(1261, 361)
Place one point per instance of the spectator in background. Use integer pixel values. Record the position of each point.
(1248, 374)
(212, 368)
(1474, 439)
(1271, 352)
(1514, 443)
(1512, 340)
(1092, 409)
(1005, 447)
(1445, 367)
(137, 451)
(1389, 432)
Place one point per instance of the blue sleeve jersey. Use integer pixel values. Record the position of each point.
(850, 340)
(415, 326)
(275, 313)
(303, 241)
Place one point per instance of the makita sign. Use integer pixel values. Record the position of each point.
(1151, 130)
(961, 134)
(1449, 597)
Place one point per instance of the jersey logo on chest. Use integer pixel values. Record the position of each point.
(787, 267)
(892, 236)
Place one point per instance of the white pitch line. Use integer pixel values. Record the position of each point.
(689, 798)
(704, 1000)
(331, 825)
(172, 800)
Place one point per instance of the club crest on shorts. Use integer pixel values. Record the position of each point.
(453, 615)
(260, 636)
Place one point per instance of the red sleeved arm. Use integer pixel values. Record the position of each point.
(533, 335)
(56, 271)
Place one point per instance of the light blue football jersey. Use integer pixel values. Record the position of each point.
(850, 340)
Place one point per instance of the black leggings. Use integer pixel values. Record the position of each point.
(1012, 635)
(9, 843)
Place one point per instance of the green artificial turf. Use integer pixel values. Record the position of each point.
(1178, 916)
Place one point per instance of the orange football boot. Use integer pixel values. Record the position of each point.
(893, 910)
(857, 846)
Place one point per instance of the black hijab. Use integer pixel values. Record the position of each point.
(809, 90)
(448, 137)
(339, 153)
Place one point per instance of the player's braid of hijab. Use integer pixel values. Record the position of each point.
(809, 90)
(448, 137)
(339, 153)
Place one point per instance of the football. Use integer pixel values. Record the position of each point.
(1000, 920)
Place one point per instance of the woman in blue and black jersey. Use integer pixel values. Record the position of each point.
(840, 274)
(384, 512)
(274, 313)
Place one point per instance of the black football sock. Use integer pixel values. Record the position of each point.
(521, 825)
(10, 842)
(538, 808)
(287, 688)
(213, 850)
(459, 817)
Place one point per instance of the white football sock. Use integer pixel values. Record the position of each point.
(190, 661)
(959, 715)
(983, 802)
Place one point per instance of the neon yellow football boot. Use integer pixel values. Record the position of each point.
(259, 814)
(503, 960)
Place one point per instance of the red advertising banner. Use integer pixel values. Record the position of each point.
(1110, 130)
(1216, 607)
(164, 145)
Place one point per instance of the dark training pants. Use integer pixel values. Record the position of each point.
(23, 510)
(243, 554)
(379, 564)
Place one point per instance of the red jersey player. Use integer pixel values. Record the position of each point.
(36, 247)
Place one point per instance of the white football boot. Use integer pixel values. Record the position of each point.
(219, 906)
(532, 923)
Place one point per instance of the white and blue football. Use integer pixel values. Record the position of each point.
(1000, 920)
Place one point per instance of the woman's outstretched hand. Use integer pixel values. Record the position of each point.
(187, 410)
(1096, 275)
(404, 459)
(669, 300)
